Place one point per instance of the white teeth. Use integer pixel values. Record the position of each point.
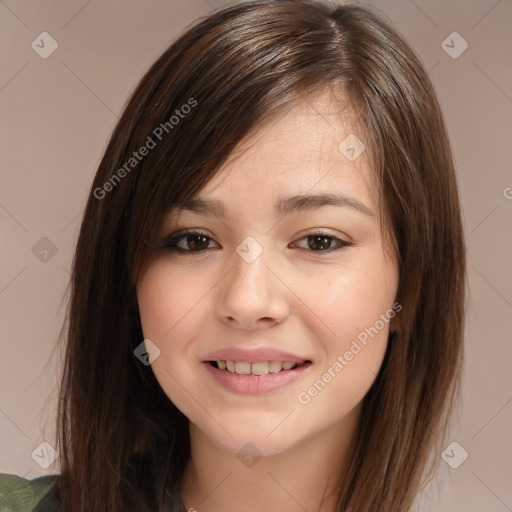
(260, 368)
(274, 366)
(243, 368)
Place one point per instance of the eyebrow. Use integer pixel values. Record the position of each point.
(283, 206)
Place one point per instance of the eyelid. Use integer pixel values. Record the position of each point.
(320, 231)
(187, 231)
(342, 243)
(170, 240)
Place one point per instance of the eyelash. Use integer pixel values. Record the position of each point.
(169, 243)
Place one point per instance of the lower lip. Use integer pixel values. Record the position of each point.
(256, 384)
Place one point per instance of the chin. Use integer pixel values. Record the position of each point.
(253, 440)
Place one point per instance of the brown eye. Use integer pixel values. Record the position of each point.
(188, 242)
(323, 242)
(196, 242)
(319, 242)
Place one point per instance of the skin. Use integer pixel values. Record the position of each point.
(311, 303)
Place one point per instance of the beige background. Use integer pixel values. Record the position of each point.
(58, 112)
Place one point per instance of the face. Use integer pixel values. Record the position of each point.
(271, 271)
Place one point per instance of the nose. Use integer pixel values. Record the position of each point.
(252, 296)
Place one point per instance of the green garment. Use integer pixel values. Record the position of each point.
(17, 494)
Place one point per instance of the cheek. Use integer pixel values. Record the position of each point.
(169, 310)
(353, 301)
(356, 308)
(166, 303)
(356, 305)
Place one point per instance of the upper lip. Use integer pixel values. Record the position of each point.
(255, 355)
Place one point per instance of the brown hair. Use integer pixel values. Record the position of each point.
(123, 444)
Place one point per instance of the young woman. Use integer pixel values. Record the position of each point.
(267, 303)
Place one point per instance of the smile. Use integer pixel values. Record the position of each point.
(255, 378)
(259, 368)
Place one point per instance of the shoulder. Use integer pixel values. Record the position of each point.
(42, 494)
(18, 494)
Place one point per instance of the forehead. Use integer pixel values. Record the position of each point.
(313, 146)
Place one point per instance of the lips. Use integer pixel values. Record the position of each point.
(254, 371)
(255, 355)
(255, 383)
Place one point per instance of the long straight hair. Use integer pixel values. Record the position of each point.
(123, 444)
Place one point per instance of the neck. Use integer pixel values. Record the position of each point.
(306, 476)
